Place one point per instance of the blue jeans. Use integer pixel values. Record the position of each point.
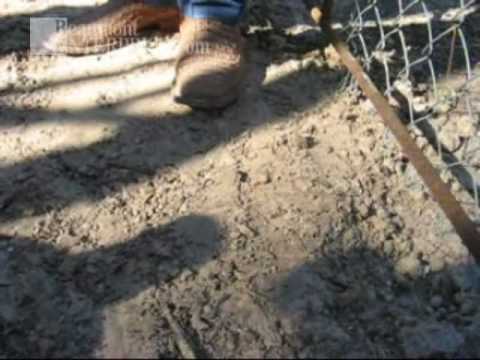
(227, 11)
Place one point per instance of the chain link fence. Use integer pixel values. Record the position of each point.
(424, 55)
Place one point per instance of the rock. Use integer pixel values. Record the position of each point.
(468, 308)
(431, 340)
(422, 142)
(389, 163)
(246, 231)
(443, 285)
(316, 15)
(408, 266)
(368, 107)
(363, 210)
(262, 178)
(437, 264)
(67, 240)
(436, 301)
(351, 117)
(388, 248)
(409, 320)
(457, 187)
(467, 278)
(455, 319)
(311, 63)
(459, 298)
(198, 322)
(305, 142)
(441, 313)
(465, 125)
(333, 58)
(348, 298)
(187, 275)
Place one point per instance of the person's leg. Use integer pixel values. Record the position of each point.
(211, 61)
(114, 24)
(227, 11)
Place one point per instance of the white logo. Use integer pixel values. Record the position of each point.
(42, 29)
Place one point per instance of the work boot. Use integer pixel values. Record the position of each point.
(112, 25)
(210, 64)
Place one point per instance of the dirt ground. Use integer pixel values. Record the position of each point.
(284, 226)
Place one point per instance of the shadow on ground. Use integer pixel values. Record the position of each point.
(145, 146)
(53, 301)
(348, 301)
(340, 302)
(358, 303)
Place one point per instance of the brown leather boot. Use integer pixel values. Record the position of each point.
(112, 25)
(210, 65)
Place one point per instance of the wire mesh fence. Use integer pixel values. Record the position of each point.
(425, 56)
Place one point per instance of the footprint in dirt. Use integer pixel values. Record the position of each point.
(53, 304)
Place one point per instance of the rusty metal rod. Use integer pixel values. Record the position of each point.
(464, 226)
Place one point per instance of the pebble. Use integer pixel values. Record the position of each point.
(186, 275)
(389, 164)
(198, 323)
(468, 308)
(305, 142)
(442, 313)
(458, 298)
(408, 266)
(409, 320)
(388, 248)
(364, 210)
(436, 302)
(422, 142)
(431, 340)
(437, 265)
(457, 187)
(262, 178)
